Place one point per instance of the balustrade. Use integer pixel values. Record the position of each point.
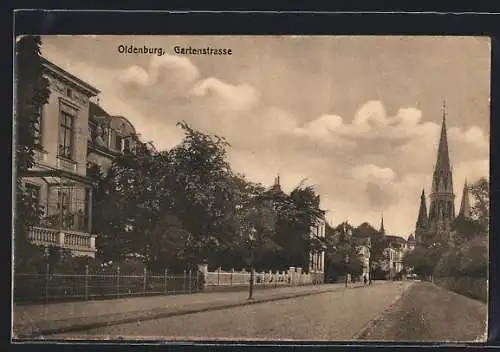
(62, 238)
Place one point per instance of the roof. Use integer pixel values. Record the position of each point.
(395, 239)
(62, 73)
(95, 110)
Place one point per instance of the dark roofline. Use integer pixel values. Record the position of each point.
(65, 74)
(126, 120)
(397, 238)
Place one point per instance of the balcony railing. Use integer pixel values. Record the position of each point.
(65, 239)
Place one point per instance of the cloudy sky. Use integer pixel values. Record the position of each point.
(358, 117)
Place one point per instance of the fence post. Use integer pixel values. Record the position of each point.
(118, 282)
(47, 280)
(189, 281)
(144, 281)
(184, 282)
(166, 279)
(86, 282)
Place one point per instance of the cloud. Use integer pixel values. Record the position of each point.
(361, 165)
(225, 96)
(373, 172)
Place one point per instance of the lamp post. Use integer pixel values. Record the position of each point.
(346, 262)
(251, 242)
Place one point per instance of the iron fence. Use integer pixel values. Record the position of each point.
(51, 287)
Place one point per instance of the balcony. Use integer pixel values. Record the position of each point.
(79, 243)
(40, 155)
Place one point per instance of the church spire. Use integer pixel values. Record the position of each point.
(443, 157)
(465, 205)
(382, 230)
(442, 208)
(422, 213)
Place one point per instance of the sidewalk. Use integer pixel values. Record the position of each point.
(36, 320)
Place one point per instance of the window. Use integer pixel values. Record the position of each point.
(126, 145)
(69, 93)
(90, 136)
(112, 139)
(37, 127)
(118, 142)
(67, 117)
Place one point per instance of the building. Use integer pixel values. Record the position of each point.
(108, 137)
(365, 254)
(437, 225)
(395, 253)
(58, 180)
(396, 248)
(73, 131)
(317, 257)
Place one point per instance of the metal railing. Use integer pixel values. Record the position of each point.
(53, 287)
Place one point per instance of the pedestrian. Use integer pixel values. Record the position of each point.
(365, 279)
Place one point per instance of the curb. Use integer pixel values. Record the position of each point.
(370, 324)
(95, 325)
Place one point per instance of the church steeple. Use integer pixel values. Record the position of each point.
(422, 213)
(465, 205)
(422, 220)
(382, 230)
(442, 208)
(443, 157)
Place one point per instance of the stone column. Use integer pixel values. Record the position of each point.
(291, 274)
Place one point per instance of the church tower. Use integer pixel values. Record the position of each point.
(465, 205)
(422, 225)
(442, 208)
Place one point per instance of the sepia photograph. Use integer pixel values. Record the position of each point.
(251, 188)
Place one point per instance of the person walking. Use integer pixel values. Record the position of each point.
(365, 279)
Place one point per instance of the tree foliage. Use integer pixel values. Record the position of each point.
(480, 191)
(185, 206)
(343, 251)
(423, 260)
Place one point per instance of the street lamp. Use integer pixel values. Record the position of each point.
(346, 263)
(251, 241)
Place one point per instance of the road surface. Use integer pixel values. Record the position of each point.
(335, 315)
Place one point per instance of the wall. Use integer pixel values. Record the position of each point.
(291, 277)
(79, 102)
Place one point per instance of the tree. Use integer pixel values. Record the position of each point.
(423, 260)
(480, 191)
(203, 191)
(32, 92)
(342, 246)
(297, 213)
(378, 244)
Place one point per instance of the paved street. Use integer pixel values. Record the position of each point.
(333, 315)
